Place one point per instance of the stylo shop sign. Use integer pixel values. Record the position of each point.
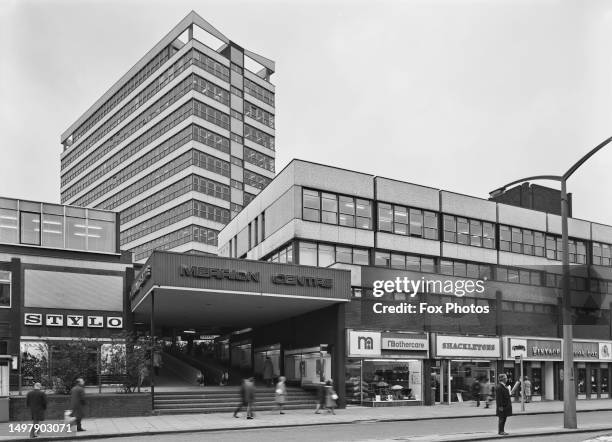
(57, 320)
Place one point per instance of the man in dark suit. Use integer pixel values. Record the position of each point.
(77, 402)
(36, 401)
(503, 407)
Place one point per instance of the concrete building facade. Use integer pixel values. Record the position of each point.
(383, 229)
(179, 145)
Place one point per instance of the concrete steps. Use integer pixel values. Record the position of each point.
(226, 399)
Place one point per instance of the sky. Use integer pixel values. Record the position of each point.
(458, 95)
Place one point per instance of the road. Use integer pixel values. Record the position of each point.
(426, 430)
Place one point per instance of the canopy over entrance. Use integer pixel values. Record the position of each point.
(210, 293)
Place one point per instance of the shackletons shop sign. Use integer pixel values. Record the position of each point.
(254, 277)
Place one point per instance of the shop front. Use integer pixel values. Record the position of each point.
(460, 361)
(541, 359)
(592, 361)
(385, 368)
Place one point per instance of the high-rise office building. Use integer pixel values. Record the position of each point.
(179, 145)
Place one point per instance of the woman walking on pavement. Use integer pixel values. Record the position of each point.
(281, 393)
(330, 397)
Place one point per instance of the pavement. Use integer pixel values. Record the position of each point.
(151, 425)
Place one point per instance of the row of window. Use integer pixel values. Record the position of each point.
(150, 158)
(530, 242)
(258, 92)
(330, 208)
(191, 183)
(199, 59)
(602, 254)
(192, 132)
(258, 114)
(169, 217)
(205, 136)
(158, 199)
(402, 261)
(258, 159)
(255, 180)
(323, 255)
(144, 73)
(132, 148)
(153, 111)
(137, 102)
(469, 232)
(283, 255)
(58, 230)
(259, 137)
(152, 179)
(210, 65)
(175, 239)
(407, 221)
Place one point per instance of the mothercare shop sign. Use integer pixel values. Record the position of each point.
(467, 346)
(372, 343)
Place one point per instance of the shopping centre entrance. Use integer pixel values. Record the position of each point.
(252, 318)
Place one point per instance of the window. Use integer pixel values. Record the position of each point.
(5, 289)
(284, 255)
(30, 228)
(602, 254)
(259, 137)
(330, 208)
(407, 221)
(385, 217)
(364, 214)
(308, 254)
(310, 205)
(9, 230)
(450, 229)
(469, 232)
(324, 255)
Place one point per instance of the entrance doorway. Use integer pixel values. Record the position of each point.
(464, 374)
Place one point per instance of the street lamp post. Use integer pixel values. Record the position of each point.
(569, 389)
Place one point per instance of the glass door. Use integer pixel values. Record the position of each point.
(436, 384)
(595, 382)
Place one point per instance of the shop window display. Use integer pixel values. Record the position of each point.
(383, 380)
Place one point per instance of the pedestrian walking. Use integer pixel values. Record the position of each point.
(330, 397)
(224, 378)
(476, 387)
(200, 378)
(320, 397)
(157, 362)
(36, 401)
(247, 397)
(77, 402)
(527, 385)
(489, 390)
(268, 371)
(516, 391)
(280, 395)
(503, 404)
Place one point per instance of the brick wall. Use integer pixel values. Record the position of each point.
(97, 405)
